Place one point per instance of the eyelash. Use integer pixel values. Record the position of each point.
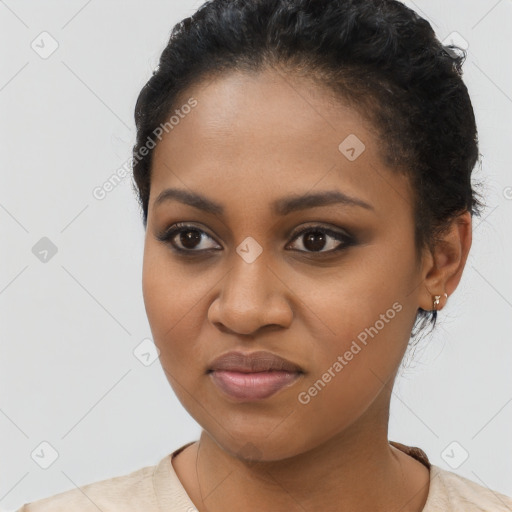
(168, 235)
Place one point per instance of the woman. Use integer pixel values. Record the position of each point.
(304, 174)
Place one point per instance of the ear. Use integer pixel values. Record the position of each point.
(442, 269)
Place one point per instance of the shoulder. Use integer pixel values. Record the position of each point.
(130, 492)
(151, 489)
(449, 491)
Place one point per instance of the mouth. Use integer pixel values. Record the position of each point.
(255, 376)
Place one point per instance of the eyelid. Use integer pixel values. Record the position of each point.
(327, 229)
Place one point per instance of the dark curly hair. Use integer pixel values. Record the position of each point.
(377, 55)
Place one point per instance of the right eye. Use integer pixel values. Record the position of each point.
(186, 238)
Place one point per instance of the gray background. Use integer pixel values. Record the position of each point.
(69, 325)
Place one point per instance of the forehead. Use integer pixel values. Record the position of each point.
(254, 136)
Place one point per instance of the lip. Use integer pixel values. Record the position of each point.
(253, 376)
(260, 361)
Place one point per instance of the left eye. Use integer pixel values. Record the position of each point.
(317, 239)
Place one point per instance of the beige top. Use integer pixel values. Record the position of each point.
(158, 489)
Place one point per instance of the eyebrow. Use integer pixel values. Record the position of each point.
(282, 206)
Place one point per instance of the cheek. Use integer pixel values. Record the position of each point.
(365, 298)
(351, 369)
(363, 318)
(360, 350)
(173, 304)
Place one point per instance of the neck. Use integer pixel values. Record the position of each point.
(357, 470)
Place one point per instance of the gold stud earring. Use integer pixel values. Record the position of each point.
(437, 299)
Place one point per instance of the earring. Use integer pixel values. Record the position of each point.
(436, 300)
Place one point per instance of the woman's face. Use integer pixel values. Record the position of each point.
(337, 301)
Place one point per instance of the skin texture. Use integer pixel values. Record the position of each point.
(251, 139)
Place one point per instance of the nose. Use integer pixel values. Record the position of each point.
(251, 297)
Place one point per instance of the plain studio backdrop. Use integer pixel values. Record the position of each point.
(79, 400)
